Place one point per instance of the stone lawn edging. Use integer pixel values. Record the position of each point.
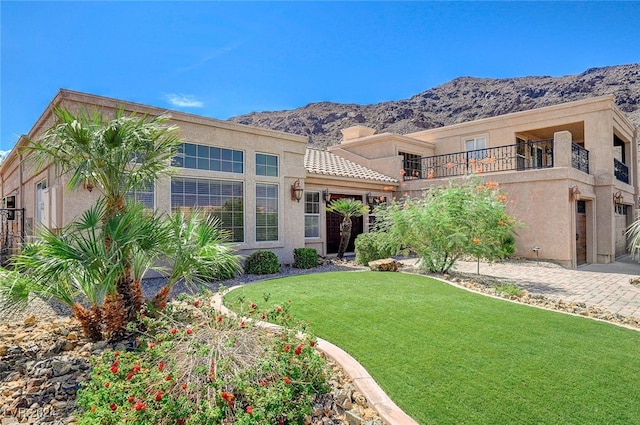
(374, 396)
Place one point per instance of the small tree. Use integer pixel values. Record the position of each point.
(453, 221)
(347, 208)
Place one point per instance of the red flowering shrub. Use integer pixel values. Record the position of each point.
(222, 371)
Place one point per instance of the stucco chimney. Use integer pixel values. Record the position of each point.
(356, 132)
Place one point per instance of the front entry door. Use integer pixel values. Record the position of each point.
(333, 227)
(581, 232)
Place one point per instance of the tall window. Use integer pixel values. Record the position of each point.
(266, 212)
(312, 214)
(474, 145)
(144, 195)
(223, 199)
(209, 158)
(266, 165)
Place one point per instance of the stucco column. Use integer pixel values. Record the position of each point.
(562, 149)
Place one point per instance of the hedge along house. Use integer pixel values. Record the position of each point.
(253, 179)
(570, 172)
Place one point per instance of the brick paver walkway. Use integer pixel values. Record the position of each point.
(610, 291)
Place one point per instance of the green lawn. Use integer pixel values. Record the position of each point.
(448, 356)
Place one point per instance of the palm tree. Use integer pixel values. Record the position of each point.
(197, 251)
(101, 258)
(113, 155)
(80, 270)
(347, 208)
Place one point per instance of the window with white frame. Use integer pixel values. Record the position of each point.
(223, 199)
(209, 158)
(475, 147)
(144, 195)
(312, 214)
(266, 165)
(266, 212)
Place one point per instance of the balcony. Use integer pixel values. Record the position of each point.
(522, 156)
(537, 154)
(621, 171)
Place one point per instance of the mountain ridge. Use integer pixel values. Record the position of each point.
(462, 99)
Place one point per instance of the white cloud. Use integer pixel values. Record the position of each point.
(3, 154)
(184, 100)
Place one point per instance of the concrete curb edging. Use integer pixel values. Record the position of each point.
(378, 400)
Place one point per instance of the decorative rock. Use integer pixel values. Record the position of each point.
(385, 265)
(30, 321)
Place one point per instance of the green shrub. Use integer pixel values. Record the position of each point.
(508, 289)
(262, 262)
(508, 246)
(454, 221)
(370, 247)
(305, 258)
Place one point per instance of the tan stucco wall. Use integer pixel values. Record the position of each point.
(290, 150)
(538, 198)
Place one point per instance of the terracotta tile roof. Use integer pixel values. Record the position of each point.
(318, 161)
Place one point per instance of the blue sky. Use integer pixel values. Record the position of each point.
(221, 59)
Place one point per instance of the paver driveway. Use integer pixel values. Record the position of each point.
(599, 285)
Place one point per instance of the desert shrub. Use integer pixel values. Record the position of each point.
(194, 365)
(262, 262)
(449, 222)
(305, 258)
(371, 246)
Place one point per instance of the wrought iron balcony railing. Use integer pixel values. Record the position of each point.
(579, 158)
(521, 156)
(621, 171)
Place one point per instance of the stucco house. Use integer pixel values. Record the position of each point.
(267, 187)
(570, 172)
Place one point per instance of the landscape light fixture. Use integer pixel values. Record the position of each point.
(536, 249)
(296, 191)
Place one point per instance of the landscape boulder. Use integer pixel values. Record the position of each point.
(385, 265)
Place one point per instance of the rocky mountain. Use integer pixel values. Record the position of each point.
(462, 99)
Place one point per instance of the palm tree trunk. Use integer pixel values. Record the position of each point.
(89, 320)
(160, 299)
(345, 235)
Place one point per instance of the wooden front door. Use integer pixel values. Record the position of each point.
(581, 232)
(333, 227)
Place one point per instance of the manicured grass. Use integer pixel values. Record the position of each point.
(448, 356)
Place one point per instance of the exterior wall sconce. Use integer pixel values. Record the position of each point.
(326, 196)
(574, 193)
(618, 198)
(371, 199)
(296, 191)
